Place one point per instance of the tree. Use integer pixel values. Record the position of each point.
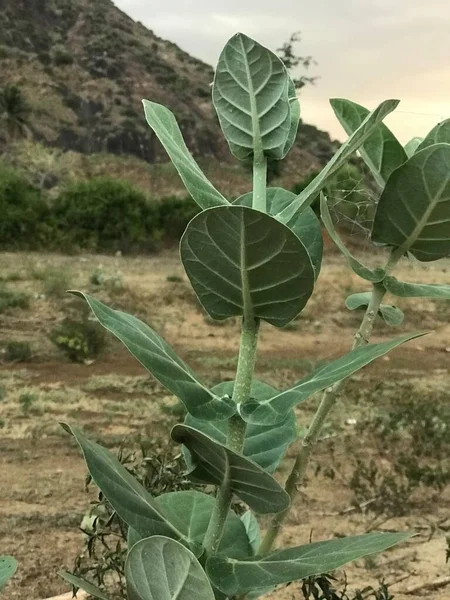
(292, 60)
(14, 112)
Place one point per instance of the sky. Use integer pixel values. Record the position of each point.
(366, 50)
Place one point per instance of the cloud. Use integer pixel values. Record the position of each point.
(366, 51)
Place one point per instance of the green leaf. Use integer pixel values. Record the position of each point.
(159, 568)
(413, 213)
(412, 145)
(250, 94)
(252, 528)
(312, 191)
(416, 290)
(440, 134)
(305, 225)
(392, 315)
(129, 499)
(8, 566)
(214, 463)
(374, 275)
(132, 537)
(194, 509)
(266, 446)
(382, 152)
(295, 112)
(275, 409)
(234, 577)
(164, 124)
(83, 584)
(161, 361)
(242, 261)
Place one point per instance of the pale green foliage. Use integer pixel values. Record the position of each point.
(258, 258)
(243, 262)
(381, 151)
(8, 566)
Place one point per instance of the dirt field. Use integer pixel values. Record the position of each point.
(43, 497)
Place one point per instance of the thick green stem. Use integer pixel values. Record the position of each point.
(259, 182)
(236, 430)
(327, 402)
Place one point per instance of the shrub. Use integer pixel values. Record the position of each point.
(173, 216)
(56, 282)
(10, 299)
(24, 212)
(18, 351)
(79, 340)
(105, 215)
(61, 56)
(258, 260)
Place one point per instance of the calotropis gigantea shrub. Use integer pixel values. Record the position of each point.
(258, 258)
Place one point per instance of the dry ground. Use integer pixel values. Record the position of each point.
(42, 474)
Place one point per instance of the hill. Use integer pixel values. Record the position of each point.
(85, 66)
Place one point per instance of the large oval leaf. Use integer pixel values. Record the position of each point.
(193, 509)
(234, 577)
(252, 528)
(8, 566)
(294, 105)
(250, 94)
(440, 134)
(354, 142)
(241, 261)
(214, 463)
(274, 410)
(266, 446)
(305, 225)
(159, 568)
(412, 145)
(382, 152)
(163, 123)
(161, 361)
(413, 213)
(132, 502)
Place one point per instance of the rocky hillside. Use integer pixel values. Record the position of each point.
(84, 67)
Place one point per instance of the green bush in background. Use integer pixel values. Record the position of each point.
(25, 213)
(105, 215)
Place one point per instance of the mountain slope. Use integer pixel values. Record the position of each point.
(84, 67)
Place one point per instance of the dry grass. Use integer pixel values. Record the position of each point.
(113, 399)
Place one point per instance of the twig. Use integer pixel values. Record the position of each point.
(80, 595)
(428, 587)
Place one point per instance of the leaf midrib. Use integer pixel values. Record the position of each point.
(257, 142)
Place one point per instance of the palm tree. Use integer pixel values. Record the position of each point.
(14, 112)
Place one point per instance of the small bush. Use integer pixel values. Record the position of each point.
(10, 299)
(79, 340)
(24, 213)
(61, 56)
(56, 282)
(174, 215)
(18, 352)
(105, 215)
(26, 401)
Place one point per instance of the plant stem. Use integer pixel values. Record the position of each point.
(236, 430)
(259, 182)
(327, 402)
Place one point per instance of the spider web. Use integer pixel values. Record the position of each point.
(352, 203)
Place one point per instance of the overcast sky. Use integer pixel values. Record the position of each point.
(366, 50)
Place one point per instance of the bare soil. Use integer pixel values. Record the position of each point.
(43, 496)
